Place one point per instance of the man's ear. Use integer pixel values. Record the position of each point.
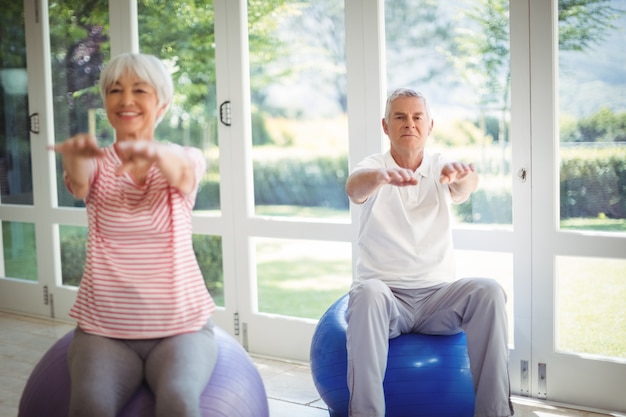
(385, 127)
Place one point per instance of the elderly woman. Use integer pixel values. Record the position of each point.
(142, 310)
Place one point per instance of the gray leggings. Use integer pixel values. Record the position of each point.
(105, 372)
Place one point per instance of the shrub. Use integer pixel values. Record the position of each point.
(73, 254)
(208, 250)
(491, 205)
(313, 182)
(593, 186)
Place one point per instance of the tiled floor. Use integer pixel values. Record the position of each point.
(290, 389)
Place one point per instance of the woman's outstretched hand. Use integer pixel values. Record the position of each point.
(82, 145)
(136, 154)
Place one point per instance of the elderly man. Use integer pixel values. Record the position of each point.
(405, 280)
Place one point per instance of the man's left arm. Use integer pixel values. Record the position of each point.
(461, 178)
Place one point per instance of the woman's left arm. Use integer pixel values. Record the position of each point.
(174, 163)
(177, 167)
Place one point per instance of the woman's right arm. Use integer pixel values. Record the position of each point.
(77, 153)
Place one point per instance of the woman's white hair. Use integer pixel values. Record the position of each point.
(147, 67)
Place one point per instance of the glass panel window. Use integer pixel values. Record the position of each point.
(496, 265)
(79, 46)
(16, 184)
(73, 253)
(592, 116)
(301, 278)
(181, 33)
(590, 313)
(20, 251)
(299, 122)
(208, 250)
(457, 54)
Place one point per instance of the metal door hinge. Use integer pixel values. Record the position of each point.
(542, 383)
(52, 306)
(245, 336)
(525, 380)
(48, 299)
(236, 318)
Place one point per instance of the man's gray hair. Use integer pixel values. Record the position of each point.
(404, 92)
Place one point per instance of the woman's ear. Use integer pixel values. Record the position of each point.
(162, 110)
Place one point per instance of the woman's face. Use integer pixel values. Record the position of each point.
(132, 108)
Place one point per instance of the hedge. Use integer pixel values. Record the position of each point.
(593, 186)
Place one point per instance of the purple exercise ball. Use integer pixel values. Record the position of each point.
(234, 390)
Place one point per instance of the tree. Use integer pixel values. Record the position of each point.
(482, 54)
(412, 28)
(320, 29)
(583, 23)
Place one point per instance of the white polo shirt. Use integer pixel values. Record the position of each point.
(405, 236)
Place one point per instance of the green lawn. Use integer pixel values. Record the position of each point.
(590, 311)
(301, 278)
(600, 224)
(20, 255)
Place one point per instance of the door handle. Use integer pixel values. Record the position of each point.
(522, 174)
(225, 113)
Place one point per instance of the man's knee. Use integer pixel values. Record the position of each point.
(369, 291)
(488, 289)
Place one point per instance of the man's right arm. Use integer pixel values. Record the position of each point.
(363, 183)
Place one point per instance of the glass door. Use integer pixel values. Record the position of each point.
(22, 279)
(293, 236)
(579, 234)
(182, 35)
(185, 35)
(468, 58)
(79, 36)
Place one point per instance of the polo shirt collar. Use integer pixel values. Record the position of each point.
(423, 170)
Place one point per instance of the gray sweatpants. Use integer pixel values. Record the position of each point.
(377, 313)
(106, 372)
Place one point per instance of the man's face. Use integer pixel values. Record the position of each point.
(409, 124)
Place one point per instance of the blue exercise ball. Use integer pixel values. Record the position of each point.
(427, 376)
(234, 390)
